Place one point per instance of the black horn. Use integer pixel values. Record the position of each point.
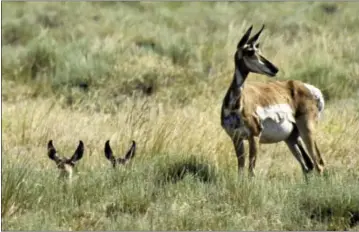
(245, 38)
(256, 36)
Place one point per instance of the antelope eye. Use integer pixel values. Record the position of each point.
(249, 52)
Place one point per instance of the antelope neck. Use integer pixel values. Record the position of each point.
(234, 92)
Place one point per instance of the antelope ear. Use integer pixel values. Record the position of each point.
(108, 151)
(78, 154)
(51, 152)
(244, 38)
(131, 152)
(256, 36)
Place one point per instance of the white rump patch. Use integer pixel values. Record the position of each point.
(277, 122)
(318, 96)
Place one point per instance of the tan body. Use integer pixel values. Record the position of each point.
(292, 93)
(276, 111)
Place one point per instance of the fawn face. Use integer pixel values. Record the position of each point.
(64, 164)
(123, 161)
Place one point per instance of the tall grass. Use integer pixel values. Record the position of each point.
(157, 73)
(141, 197)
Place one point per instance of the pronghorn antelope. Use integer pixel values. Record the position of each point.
(66, 165)
(277, 111)
(129, 155)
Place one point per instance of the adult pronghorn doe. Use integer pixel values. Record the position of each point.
(276, 111)
(66, 165)
(129, 155)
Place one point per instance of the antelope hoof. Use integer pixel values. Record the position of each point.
(320, 169)
(252, 174)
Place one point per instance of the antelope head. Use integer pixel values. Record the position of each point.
(129, 155)
(66, 165)
(249, 57)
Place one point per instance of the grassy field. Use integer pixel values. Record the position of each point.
(157, 73)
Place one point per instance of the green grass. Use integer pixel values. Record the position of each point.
(142, 197)
(157, 73)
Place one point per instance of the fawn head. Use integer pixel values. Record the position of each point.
(66, 165)
(121, 160)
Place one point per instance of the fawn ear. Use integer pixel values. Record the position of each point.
(78, 154)
(51, 152)
(108, 151)
(131, 152)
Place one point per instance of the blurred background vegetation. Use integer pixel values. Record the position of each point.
(96, 52)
